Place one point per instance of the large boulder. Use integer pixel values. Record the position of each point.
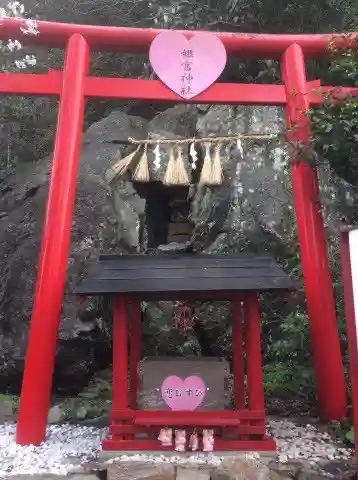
(253, 190)
(252, 206)
(104, 220)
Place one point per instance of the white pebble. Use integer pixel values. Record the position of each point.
(52, 456)
(305, 442)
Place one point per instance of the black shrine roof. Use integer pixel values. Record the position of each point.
(151, 275)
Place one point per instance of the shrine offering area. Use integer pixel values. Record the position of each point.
(182, 403)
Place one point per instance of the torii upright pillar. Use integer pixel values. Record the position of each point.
(313, 251)
(52, 271)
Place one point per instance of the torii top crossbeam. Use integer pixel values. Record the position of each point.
(137, 40)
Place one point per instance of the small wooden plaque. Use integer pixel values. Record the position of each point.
(153, 371)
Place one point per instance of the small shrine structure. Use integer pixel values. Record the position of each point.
(240, 279)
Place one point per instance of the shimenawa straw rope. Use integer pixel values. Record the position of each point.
(176, 173)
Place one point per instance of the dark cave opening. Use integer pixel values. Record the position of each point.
(166, 213)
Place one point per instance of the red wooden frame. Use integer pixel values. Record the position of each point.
(73, 86)
(237, 352)
(137, 40)
(237, 429)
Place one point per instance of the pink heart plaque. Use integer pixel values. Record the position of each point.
(187, 66)
(181, 394)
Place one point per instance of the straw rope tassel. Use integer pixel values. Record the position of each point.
(182, 177)
(170, 173)
(141, 173)
(216, 169)
(121, 166)
(205, 176)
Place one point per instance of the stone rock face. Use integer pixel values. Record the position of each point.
(253, 201)
(176, 122)
(55, 415)
(7, 409)
(233, 468)
(98, 225)
(252, 193)
(191, 474)
(141, 472)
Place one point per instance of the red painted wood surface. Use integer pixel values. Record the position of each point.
(238, 354)
(52, 270)
(151, 90)
(189, 415)
(313, 250)
(116, 430)
(154, 90)
(120, 394)
(253, 353)
(264, 445)
(185, 421)
(138, 40)
(135, 349)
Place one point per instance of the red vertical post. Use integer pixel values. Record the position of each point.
(351, 327)
(237, 354)
(256, 400)
(51, 277)
(313, 251)
(135, 349)
(120, 353)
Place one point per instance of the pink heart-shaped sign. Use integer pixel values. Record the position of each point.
(187, 66)
(181, 394)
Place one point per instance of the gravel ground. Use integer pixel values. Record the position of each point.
(60, 453)
(305, 443)
(68, 446)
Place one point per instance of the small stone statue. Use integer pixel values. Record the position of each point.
(180, 440)
(166, 437)
(194, 442)
(208, 440)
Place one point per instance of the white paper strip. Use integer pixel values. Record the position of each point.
(157, 157)
(193, 155)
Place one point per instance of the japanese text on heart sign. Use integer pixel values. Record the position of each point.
(179, 392)
(187, 55)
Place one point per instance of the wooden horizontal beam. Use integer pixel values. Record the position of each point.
(50, 84)
(47, 84)
(137, 89)
(264, 445)
(186, 421)
(240, 429)
(154, 90)
(192, 416)
(138, 40)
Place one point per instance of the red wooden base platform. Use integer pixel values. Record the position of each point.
(241, 430)
(266, 444)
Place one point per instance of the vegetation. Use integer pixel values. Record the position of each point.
(335, 123)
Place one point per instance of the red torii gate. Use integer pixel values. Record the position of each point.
(73, 85)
